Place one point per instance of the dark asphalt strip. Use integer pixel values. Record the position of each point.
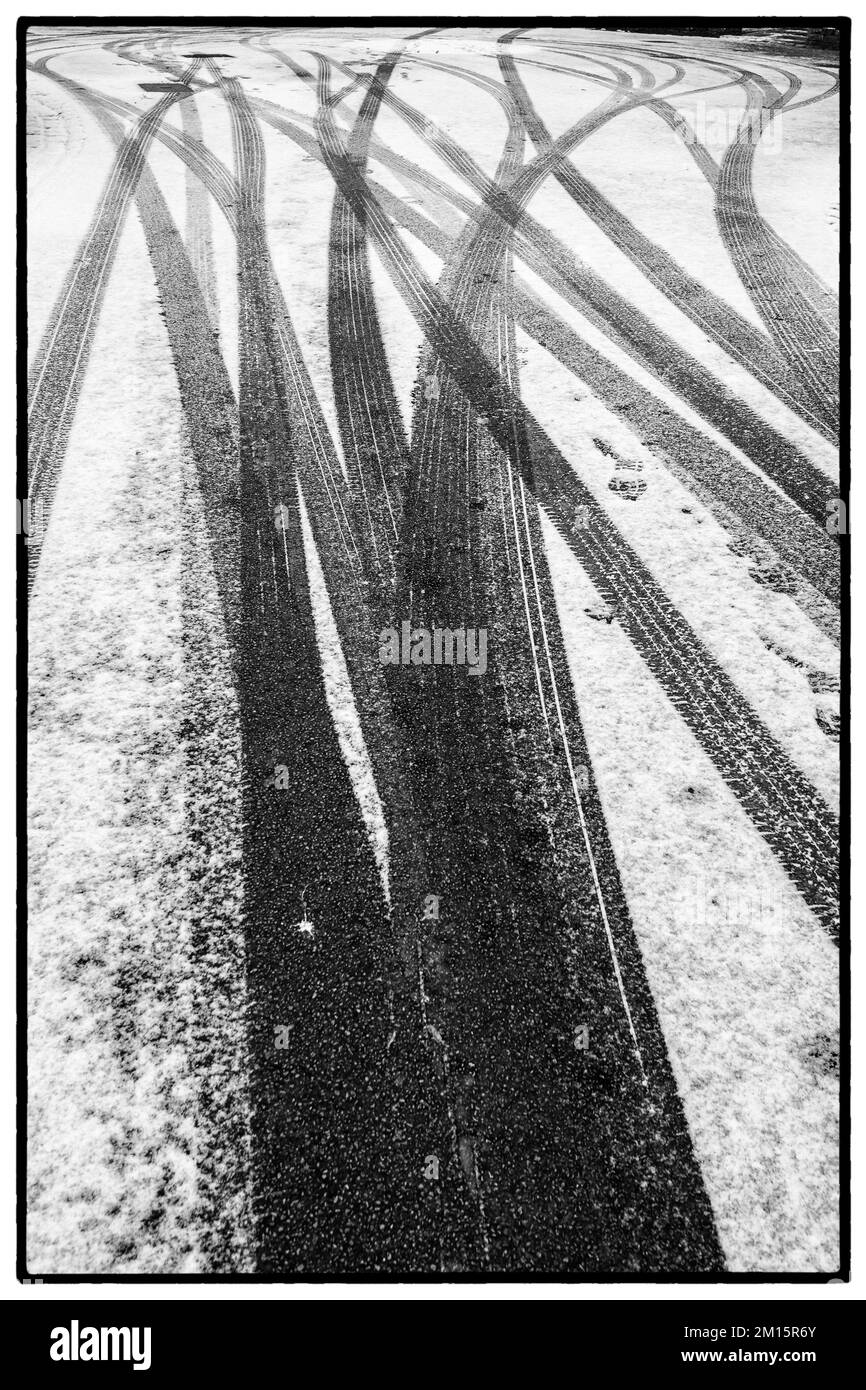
(373, 437)
(559, 854)
(559, 1143)
(337, 522)
(345, 1115)
(556, 1145)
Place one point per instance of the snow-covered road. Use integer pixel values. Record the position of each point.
(337, 966)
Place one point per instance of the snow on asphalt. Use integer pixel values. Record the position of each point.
(139, 1126)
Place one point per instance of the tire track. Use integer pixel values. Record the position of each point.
(198, 223)
(713, 316)
(210, 416)
(452, 1038)
(374, 439)
(60, 363)
(782, 461)
(797, 310)
(785, 807)
(761, 520)
(340, 1183)
(498, 962)
(755, 247)
(789, 852)
(719, 476)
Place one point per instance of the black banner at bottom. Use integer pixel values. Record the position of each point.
(81, 1337)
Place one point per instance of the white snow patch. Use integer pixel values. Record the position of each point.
(341, 702)
(743, 976)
